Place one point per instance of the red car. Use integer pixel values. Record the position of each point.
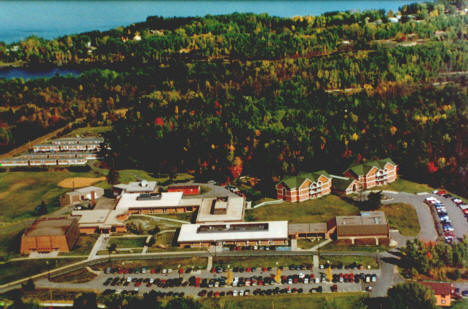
(441, 192)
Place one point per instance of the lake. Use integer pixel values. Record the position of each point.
(50, 19)
(26, 74)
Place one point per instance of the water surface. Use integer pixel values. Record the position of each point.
(50, 19)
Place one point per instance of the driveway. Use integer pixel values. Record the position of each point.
(428, 231)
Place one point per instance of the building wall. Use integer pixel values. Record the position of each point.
(44, 244)
(371, 180)
(240, 243)
(303, 192)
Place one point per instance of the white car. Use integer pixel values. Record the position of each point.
(129, 279)
(234, 293)
(306, 280)
(151, 280)
(301, 275)
(290, 281)
(317, 280)
(241, 293)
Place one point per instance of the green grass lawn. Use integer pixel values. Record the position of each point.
(402, 217)
(349, 259)
(188, 216)
(11, 271)
(307, 243)
(127, 242)
(165, 239)
(297, 301)
(310, 211)
(406, 186)
(262, 261)
(83, 246)
(78, 276)
(193, 262)
(87, 131)
(334, 247)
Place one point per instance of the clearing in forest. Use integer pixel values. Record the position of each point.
(79, 182)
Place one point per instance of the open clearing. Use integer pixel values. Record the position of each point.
(402, 217)
(298, 301)
(310, 211)
(79, 182)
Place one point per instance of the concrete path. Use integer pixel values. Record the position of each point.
(209, 265)
(101, 242)
(145, 247)
(426, 221)
(294, 245)
(164, 219)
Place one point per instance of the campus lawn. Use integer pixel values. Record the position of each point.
(188, 216)
(296, 301)
(262, 261)
(127, 242)
(307, 243)
(88, 131)
(156, 262)
(310, 211)
(83, 246)
(404, 185)
(77, 276)
(367, 248)
(349, 259)
(402, 217)
(11, 271)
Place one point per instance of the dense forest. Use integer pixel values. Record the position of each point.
(221, 96)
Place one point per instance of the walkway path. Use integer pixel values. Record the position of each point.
(101, 242)
(164, 219)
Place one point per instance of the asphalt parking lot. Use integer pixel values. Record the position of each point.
(459, 222)
(120, 282)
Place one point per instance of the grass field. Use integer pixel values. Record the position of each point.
(319, 210)
(194, 262)
(406, 186)
(188, 216)
(349, 259)
(261, 261)
(334, 247)
(127, 242)
(402, 217)
(89, 131)
(83, 246)
(16, 270)
(78, 276)
(307, 243)
(297, 301)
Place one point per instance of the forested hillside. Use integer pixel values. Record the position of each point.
(221, 96)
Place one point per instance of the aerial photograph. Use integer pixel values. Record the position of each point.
(234, 154)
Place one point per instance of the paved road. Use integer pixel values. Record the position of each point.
(428, 231)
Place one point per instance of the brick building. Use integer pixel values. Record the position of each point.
(304, 186)
(370, 228)
(50, 234)
(373, 173)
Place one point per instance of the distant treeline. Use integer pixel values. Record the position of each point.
(266, 96)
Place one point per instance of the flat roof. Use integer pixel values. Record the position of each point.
(167, 199)
(49, 226)
(100, 217)
(223, 231)
(307, 228)
(89, 189)
(234, 210)
(138, 186)
(366, 218)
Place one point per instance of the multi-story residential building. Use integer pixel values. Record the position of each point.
(373, 173)
(304, 186)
